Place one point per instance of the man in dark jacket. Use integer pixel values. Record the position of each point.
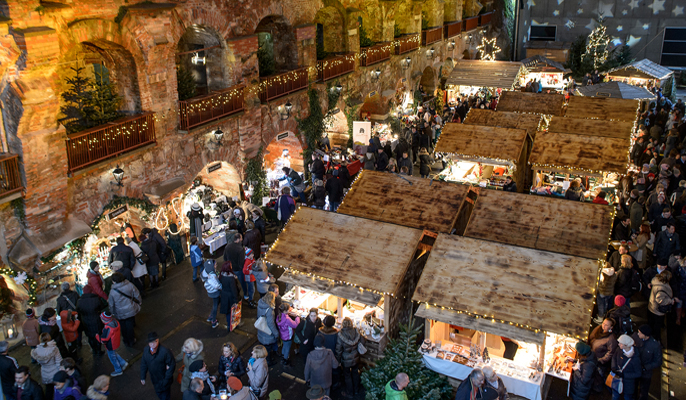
(317, 168)
(651, 357)
(161, 250)
(160, 362)
(235, 253)
(334, 189)
(122, 252)
(622, 231)
(89, 307)
(24, 387)
(510, 185)
(194, 391)
(667, 242)
(582, 375)
(260, 224)
(405, 161)
(8, 367)
(381, 160)
(473, 388)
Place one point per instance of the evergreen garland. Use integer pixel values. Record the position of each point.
(425, 21)
(185, 83)
(142, 204)
(19, 210)
(396, 31)
(311, 127)
(350, 117)
(401, 355)
(256, 176)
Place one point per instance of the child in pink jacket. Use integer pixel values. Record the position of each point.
(286, 325)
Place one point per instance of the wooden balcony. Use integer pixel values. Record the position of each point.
(469, 24)
(452, 29)
(375, 54)
(432, 35)
(200, 110)
(275, 86)
(485, 19)
(333, 67)
(112, 139)
(10, 177)
(406, 43)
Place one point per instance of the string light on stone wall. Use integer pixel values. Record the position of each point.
(488, 49)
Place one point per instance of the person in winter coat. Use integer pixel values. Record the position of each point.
(334, 189)
(348, 356)
(89, 307)
(285, 206)
(650, 352)
(229, 293)
(381, 160)
(237, 390)
(191, 352)
(606, 291)
(64, 387)
(122, 252)
(574, 191)
(604, 345)
(150, 247)
(270, 340)
(582, 373)
(99, 389)
(666, 242)
(70, 327)
(636, 213)
(626, 364)
(117, 267)
(195, 390)
(125, 302)
(95, 280)
(67, 299)
(231, 362)
(68, 365)
(162, 252)
(48, 324)
(319, 365)
(625, 277)
(249, 278)
(317, 167)
(509, 186)
(24, 387)
(621, 314)
(405, 161)
(494, 382)
(329, 332)
(213, 287)
(158, 360)
(139, 269)
(253, 239)
(196, 257)
(31, 330)
(286, 325)
(473, 388)
(319, 193)
(174, 240)
(110, 337)
(49, 358)
(258, 371)
(8, 367)
(425, 162)
(307, 330)
(262, 278)
(661, 301)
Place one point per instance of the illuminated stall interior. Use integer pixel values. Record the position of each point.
(486, 77)
(548, 72)
(644, 73)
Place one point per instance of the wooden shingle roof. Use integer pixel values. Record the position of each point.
(536, 103)
(492, 74)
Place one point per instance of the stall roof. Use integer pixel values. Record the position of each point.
(536, 103)
(492, 74)
(574, 228)
(405, 200)
(504, 119)
(642, 69)
(532, 289)
(615, 90)
(348, 250)
(485, 142)
(602, 108)
(539, 63)
(591, 127)
(568, 152)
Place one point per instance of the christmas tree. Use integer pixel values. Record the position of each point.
(401, 355)
(596, 48)
(104, 103)
(76, 99)
(185, 83)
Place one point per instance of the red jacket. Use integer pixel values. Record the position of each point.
(70, 328)
(599, 200)
(247, 270)
(95, 282)
(111, 335)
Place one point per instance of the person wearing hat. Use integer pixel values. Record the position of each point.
(621, 314)
(237, 390)
(64, 387)
(238, 217)
(95, 279)
(320, 364)
(651, 357)
(117, 266)
(111, 338)
(31, 330)
(582, 372)
(8, 367)
(198, 369)
(319, 194)
(213, 287)
(317, 392)
(330, 334)
(249, 278)
(195, 215)
(159, 361)
(626, 365)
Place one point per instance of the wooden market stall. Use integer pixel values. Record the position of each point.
(536, 103)
(406, 200)
(615, 90)
(531, 123)
(592, 127)
(474, 293)
(643, 73)
(483, 155)
(470, 76)
(569, 227)
(351, 267)
(602, 108)
(549, 72)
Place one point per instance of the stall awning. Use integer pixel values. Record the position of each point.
(342, 249)
(644, 69)
(605, 108)
(615, 90)
(539, 63)
(587, 155)
(482, 143)
(545, 223)
(531, 289)
(503, 119)
(536, 103)
(326, 286)
(405, 200)
(490, 74)
(591, 127)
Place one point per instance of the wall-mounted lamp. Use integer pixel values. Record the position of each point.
(375, 75)
(118, 174)
(405, 63)
(197, 60)
(336, 88)
(288, 107)
(218, 135)
(430, 53)
(451, 45)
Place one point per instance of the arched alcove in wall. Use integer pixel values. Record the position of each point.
(428, 81)
(201, 52)
(277, 45)
(284, 150)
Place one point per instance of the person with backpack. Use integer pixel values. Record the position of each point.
(125, 302)
(661, 302)
(213, 287)
(628, 280)
(110, 337)
(196, 257)
(621, 314)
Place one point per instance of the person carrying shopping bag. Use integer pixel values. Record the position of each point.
(213, 287)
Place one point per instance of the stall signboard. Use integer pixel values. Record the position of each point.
(362, 131)
(117, 212)
(214, 167)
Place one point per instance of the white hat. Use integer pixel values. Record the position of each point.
(626, 340)
(116, 265)
(195, 207)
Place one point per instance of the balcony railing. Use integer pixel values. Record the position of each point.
(485, 19)
(106, 141)
(432, 35)
(203, 109)
(451, 29)
(333, 67)
(375, 54)
(470, 23)
(405, 44)
(275, 86)
(10, 177)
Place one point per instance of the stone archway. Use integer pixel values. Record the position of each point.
(330, 30)
(277, 45)
(428, 81)
(445, 70)
(222, 176)
(202, 52)
(284, 142)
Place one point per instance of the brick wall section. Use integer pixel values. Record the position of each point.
(243, 46)
(306, 32)
(39, 43)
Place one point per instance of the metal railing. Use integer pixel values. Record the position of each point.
(10, 176)
(106, 141)
(469, 24)
(407, 43)
(333, 67)
(375, 54)
(452, 29)
(432, 35)
(485, 19)
(200, 110)
(275, 86)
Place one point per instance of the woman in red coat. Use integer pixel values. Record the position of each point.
(70, 326)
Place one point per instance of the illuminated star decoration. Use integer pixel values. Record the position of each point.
(619, 28)
(530, 3)
(625, 12)
(646, 27)
(556, 13)
(657, 6)
(570, 24)
(633, 4)
(678, 10)
(605, 10)
(560, 2)
(632, 40)
(616, 41)
(579, 11)
(488, 49)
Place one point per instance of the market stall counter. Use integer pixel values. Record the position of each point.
(538, 300)
(483, 155)
(350, 267)
(533, 103)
